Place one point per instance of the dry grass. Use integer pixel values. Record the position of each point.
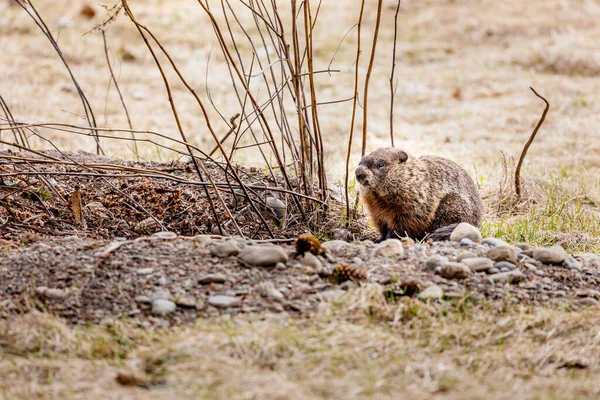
(348, 350)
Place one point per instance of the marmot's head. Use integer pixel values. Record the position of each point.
(375, 170)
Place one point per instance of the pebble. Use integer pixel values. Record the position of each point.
(465, 254)
(547, 255)
(185, 301)
(506, 265)
(212, 278)
(478, 264)
(465, 230)
(310, 260)
(162, 281)
(221, 301)
(587, 301)
(332, 295)
(280, 266)
(143, 299)
(515, 276)
(340, 248)
(493, 242)
(434, 261)
(163, 307)
(144, 271)
(51, 293)
(342, 234)
(160, 295)
(492, 271)
(277, 206)
(357, 260)
(348, 285)
(165, 235)
(466, 242)
(571, 262)
(502, 253)
(391, 248)
(225, 249)
(431, 292)
(523, 246)
(263, 256)
(267, 289)
(452, 270)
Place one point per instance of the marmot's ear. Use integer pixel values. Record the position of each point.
(402, 157)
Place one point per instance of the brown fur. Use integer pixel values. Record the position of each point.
(416, 197)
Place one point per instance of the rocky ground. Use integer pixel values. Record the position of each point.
(166, 279)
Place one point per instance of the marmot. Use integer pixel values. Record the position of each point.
(423, 197)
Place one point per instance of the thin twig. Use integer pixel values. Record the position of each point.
(392, 85)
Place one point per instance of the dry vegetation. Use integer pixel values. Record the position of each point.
(464, 69)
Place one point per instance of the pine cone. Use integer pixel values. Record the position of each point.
(307, 242)
(345, 272)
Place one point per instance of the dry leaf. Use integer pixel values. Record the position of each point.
(77, 207)
(87, 11)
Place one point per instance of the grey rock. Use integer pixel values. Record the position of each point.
(342, 234)
(572, 263)
(389, 248)
(451, 270)
(465, 254)
(357, 260)
(263, 255)
(185, 301)
(160, 295)
(478, 264)
(523, 246)
(163, 307)
(267, 289)
(547, 255)
(212, 278)
(221, 301)
(339, 248)
(143, 299)
(515, 276)
(225, 249)
(493, 242)
(51, 293)
(332, 295)
(434, 261)
(277, 206)
(587, 301)
(162, 281)
(465, 230)
(280, 266)
(502, 253)
(466, 242)
(165, 235)
(492, 271)
(431, 292)
(144, 271)
(310, 260)
(506, 265)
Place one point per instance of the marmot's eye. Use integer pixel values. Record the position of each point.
(380, 164)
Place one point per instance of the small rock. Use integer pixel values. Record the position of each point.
(493, 242)
(465, 230)
(164, 235)
(162, 281)
(348, 285)
(431, 292)
(225, 249)
(587, 301)
(523, 246)
(212, 278)
(502, 253)
(341, 234)
(451, 270)
(478, 264)
(144, 271)
(267, 289)
(221, 301)
(340, 248)
(138, 94)
(571, 262)
(547, 255)
(434, 261)
(466, 242)
(263, 256)
(332, 295)
(277, 206)
(389, 248)
(310, 260)
(506, 265)
(515, 276)
(465, 254)
(64, 22)
(185, 301)
(280, 266)
(163, 307)
(143, 299)
(160, 295)
(492, 271)
(52, 294)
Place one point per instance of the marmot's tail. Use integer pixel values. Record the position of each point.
(442, 233)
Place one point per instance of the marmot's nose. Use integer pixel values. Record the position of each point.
(361, 174)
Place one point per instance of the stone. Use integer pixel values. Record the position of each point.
(225, 249)
(478, 264)
(340, 248)
(143, 299)
(263, 256)
(144, 271)
(160, 295)
(587, 301)
(277, 206)
(163, 307)
(464, 255)
(51, 293)
(310, 260)
(221, 301)
(502, 253)
(466, 242)
(165, 235)
(492, 271)
(212, 278)
(341, 234)
(185, 301)
(493, 242)
(162, 281)
(391, 248)
(465, 230)
(434, 261)
(547, 255)
(506, 265)
(523, 246)
(332, 295)
(452, 270)
(280, 266)
(572, 263)
(515, 276)
(431, 292)
(267, 289)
